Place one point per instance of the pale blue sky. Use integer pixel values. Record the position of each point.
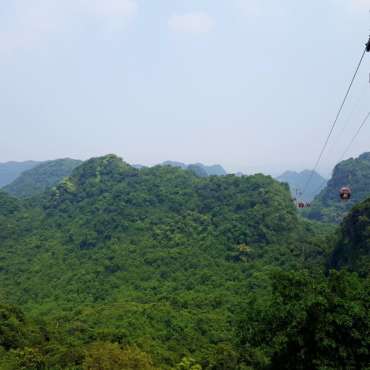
(251, 84)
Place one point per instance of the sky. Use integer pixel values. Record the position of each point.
(253, 85)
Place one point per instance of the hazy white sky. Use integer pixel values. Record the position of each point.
(251, 84)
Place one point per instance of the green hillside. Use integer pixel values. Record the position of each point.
(355, 173)
(163, 215)
(213, 170)
(353, 247)
(9, 171)
(41, 177)
(157, 268)
(8, 205)
(197, 170)
(308, 321)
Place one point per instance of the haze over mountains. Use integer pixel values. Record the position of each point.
(41, 177)
(9, 171)
(214, 170)
(298, 180)
(51, 172)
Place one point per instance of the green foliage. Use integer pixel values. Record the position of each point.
(308, 323)
(197, 170)
(352, 249)
(8, 205)
(12, 327)
(188, 364)
(123, 268)
(110, 356)
(29, 359)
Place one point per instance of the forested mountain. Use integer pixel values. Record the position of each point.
(199, 168)
(306, 321)
(353, 247)
(213, 170)
(158, 268)
(175, 164)
(8, 204)
(298, 180)
(9, 171)
(353, 172)
(138, 166)
(41, 177)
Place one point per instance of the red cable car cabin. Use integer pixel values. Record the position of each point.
(345, 193)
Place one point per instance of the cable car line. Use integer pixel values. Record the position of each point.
(355, 136)
(319, 188)
(366, 49)
(354, 109)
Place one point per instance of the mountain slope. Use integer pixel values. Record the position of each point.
(175, 164)
(41, 177)
(213, 170)
(298, 180)
(11, 170)
(157, 257)
(8, 204)
(352, 250)
(355, 173)
(199, 171)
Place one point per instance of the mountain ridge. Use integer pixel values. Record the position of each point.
(9, 171)
(353, 173)
(200, 168)
(41, 177)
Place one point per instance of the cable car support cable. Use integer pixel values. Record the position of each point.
(355, 136)
(319, 188)
(367, 49)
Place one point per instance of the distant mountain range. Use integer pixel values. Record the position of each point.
(41, 177)
(138, 166)
(26, 179)
(9, 171)
(199, 168)
(30, 178)
(298, 180)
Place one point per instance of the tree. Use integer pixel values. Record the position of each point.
(110, 356)
(188, 363)
(308, 323)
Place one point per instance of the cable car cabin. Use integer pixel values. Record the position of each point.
(303, 205)
(345, 193)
